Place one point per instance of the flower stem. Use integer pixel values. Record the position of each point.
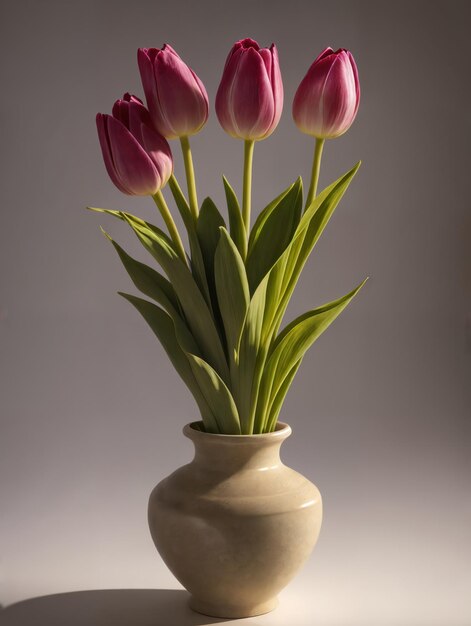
(316, 164)
(247, 192)
(172, 228)
(190, 176)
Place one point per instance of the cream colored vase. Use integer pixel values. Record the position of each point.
(235, 524)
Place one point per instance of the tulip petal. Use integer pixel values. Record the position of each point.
(133, 166)
(277, 89)
(327, 99)
(252, 100)
(159, 151)
(266, 55)
(146, 69)
(225, 91)
(183, 106)
(138, 115)
(325, 53)
(339, 97)
(249, 99)
(356, 78)
(101, 123)
(120, 111)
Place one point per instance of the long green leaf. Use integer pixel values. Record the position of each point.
(124, 216)
(272, 232)
(251, 355)
(312, 225)
(181, 202)
(277, 402)
(232, 288)
(164, 329)
(196, 310)
(294, 341)
(264, 215)
(236, 223)
(148, 280)
(217, 395)
(197, 262)
(207, 228)
(208, 225)
(262, 315)
(282, 276)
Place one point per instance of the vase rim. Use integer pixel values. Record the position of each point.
(281, 432)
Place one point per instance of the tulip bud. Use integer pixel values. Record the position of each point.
(327, 99)
(176, 98)
(249, 100)
(137, 158)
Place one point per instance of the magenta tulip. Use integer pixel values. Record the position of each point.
(176, 98)
(137, 158)
(249, 100)
(327, 99)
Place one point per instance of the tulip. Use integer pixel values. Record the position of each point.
(249, 102)
(250, 97)
(326, 103)
(327, 99)
(137, 158)
(177, 101)
(176, 98)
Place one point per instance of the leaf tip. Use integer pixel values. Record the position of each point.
(108, 236)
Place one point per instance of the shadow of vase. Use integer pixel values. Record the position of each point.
(108, 607)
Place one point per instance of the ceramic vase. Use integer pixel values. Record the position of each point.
(235, 524)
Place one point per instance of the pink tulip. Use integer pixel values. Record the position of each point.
(327, 99)
(249, 100)
(176, 98)
(137, 158)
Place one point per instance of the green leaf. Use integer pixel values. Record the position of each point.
(272, 232)
(112, 212)
(208, 225)
(236, 223)
(148, 280)
(124, 216)
(251, 355)
(181, 202)
(283, 275)
(207, 229)
(217, 395)
(197, 262)
(164, 329)
(196, 311)
(277, 401)
(294, 341)
(231, 287)
(311, 227)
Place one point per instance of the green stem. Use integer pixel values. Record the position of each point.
(316, 164)
(172, 228)
(247, 193)
(190, 176)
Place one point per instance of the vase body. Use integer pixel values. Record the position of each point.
(235, 524)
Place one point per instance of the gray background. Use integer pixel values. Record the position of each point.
(91, 410)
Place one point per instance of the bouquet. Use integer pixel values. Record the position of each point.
(217, 309)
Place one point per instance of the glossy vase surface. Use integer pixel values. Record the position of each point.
(235, 524)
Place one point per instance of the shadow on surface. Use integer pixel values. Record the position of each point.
(108, 607)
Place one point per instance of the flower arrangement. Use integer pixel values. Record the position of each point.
(218, 310)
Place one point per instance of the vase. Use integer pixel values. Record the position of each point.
(235, 524)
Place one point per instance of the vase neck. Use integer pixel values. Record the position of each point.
(231, 453)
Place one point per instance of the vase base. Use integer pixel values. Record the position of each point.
(232, 611)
